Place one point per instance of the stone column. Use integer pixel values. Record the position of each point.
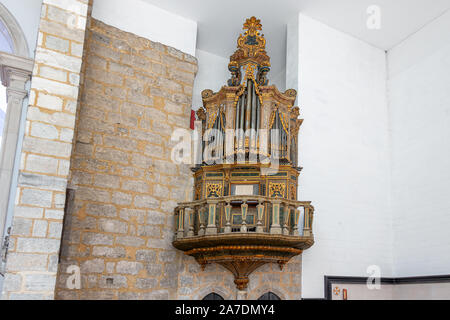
(32, 259)
(15, 73)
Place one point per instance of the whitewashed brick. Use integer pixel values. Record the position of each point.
(54, 214)
(64, 167)
(71, 106)
(60, 200)
(59, 15)
(54, 148)
(30, 296)
(32, 97)
(40, 228)
(37, 245)
(40, 39)
(58, 118)
(40, 282)
(22, 161)
(41, 164)
(66, 135)
(21, 226)
(74, 79)
(57, 44)
(58, 60)
(28, 212)
(76, 49)
(52, 73)
(70, 5)
(26, 262)
(42, 181)
(54, 230)
(14, 280)
(42, 130)
(50, 86)
(40, 198)
(49, 102)
(81, 22)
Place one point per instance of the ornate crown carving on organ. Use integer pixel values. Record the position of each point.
(251, 50)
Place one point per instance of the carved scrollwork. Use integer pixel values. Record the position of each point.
(201, 114)
(291, 93)
(295, 112)
(235, 70)
(207, 93)
(251, 48)
(276, 189)
(261, 78)
(214, 190)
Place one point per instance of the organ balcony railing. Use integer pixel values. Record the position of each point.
(243, 232)
(203, 217)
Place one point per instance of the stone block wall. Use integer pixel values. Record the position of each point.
(118, 225)
(195, 284)
(32, 259)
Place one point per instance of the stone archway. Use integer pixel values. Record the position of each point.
(12, 28)
(223, 292)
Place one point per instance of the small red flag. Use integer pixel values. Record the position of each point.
(192, 119)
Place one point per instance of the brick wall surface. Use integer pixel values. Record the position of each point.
(46, 150)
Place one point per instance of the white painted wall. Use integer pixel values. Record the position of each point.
(344, 149)
(419, 104)
(292, 47)
(148, 21)
(212, 74)
(27, 14)
(279, 80)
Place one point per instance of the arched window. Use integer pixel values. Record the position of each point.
(213, 296)
(12, 37)
(6, 42)
(269, 296)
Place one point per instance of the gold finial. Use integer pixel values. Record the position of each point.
(251, 50)
(253, 25)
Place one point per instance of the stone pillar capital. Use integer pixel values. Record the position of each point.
(15, 71)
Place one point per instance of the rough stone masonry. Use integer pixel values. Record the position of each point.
(119, 217)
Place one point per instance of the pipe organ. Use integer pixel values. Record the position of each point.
(248, 106)
(244, 215)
